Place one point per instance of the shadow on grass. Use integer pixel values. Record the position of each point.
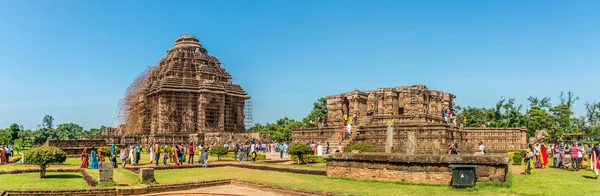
(589, 177)
(63, 176)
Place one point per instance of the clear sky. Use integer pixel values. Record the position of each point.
(74, 59)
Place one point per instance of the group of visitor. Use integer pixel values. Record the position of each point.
(249, 150)
(319, 123)
(90, 160)
(5, 154)
(448, 116)
(576, 156)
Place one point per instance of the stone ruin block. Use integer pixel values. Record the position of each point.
(147, 175)
(106, 172)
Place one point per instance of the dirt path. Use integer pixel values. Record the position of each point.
(221, 190)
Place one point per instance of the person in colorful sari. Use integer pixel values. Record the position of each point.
(536, 151)
(3, 155)
(101, 153)
(544, 155)
(94, 160)
(84, 159)
(529, 159)
(112, 150)
(176, 154)
(595, 159)
(123, 157)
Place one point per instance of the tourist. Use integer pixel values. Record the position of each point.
(165, 156)
(350, 120)
(200, 149)
(324, 121)
(191, 153)
(529, 165)
(93, 160)
(176, 155)
(181, 154)
(285, 147)
(205, 158)
(579, 156)
(313, 146)
(263, 147)
(272, 149)
(2, 155)
(464, 121)
(595, 159)
(252, 148)
(444, 114)
(123, 157)
(557, 156)
(327, 148)
(156, 156)
(113, 159)
(84, 159)
(355, 119)
(538, 162)
(310, 124)
(349, 127)
(574, 151)
(138, 149)
(481, 148)
(242, 153)
(101, 153)
(319, 150)
(344, 120)
(9, 152)
(132, 155)
(454, 149)
(341, 136)
(544, 156)
(340, 148)
(152, 155)
(254, 156)
(112, 150)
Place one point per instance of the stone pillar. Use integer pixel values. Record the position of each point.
(436, 147)
(411, 143)
(106, 172)
(389, 139)
(147, 175)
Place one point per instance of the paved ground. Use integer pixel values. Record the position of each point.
(221, 191)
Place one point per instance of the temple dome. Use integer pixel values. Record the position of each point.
(188, 42)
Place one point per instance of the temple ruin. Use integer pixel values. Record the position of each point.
(186, 97)
(414, 115)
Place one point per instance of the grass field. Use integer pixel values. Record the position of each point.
(53, 180)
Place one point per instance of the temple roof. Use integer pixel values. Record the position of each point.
(188, 67)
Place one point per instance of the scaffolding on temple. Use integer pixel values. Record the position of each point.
(248, 121)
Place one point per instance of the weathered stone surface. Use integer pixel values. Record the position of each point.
(147, 175)
(105, 173)
(411, 143)
(434, 169)
(389, 138)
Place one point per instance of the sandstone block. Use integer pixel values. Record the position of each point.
(147, 175)
(106, 172)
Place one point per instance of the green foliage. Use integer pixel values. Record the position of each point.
(362, 147)
(299, 150)
(318, 112)
(516, 157)
(218, 150)
(258, 156)
(44, 156)
(280, 131)
(308, 159)
(68, 131)
(48, 122)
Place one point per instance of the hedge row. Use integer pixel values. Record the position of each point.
(37, 170)
(259, 167)
(89, 179)
(15, 160)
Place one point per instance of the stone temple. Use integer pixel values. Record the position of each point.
(406, 119)
(186, 97)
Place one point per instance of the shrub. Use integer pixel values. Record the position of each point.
(258, 156)
(299, 150)
(516, 157)
(106, 150)
(362, 147)
(219, 151)
(309, 159)
(44, 156)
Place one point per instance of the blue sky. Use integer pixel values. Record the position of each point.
(74, 59)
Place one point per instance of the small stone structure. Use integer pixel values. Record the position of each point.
(147, 175)
(430, 169)
(105, 173)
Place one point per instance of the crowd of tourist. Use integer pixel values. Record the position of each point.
(576, 156)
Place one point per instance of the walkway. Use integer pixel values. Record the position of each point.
(221, 190)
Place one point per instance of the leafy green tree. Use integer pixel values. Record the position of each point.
(219, 151)
(5, 137)
(68, 131)
(318, 112)
(45, 156)
(537, 119)
(48, 122)
(14, 130)
(299, 150)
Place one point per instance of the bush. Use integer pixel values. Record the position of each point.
(516, 157)
(362, 147)
(218, 150)
(44, 156)
(309, 159)
(299, 150)
(106, 150)
(258, 156)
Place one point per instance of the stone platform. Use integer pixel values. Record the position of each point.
(429, 169)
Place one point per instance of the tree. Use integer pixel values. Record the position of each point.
(299, 150)
(45, 156)
(13, 131)
(48, 122)
(537, 118)
(5, 137)
(68, 131)
(318, 112)
(219, 151)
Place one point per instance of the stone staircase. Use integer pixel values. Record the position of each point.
(334, 141)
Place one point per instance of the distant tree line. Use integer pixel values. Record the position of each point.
(22, 138)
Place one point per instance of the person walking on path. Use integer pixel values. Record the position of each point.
(205, 158)
(84, 159)
(157, 153)
(319, 150)
(123, 158)
(327, 148)
(544, 156)
(138, 150)
(595, 160)
(191, 152)
(529, 163)
(152, 154)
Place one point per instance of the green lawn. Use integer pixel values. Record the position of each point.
(54, 180)
(316, 166)
(543, 182)
(120, 176)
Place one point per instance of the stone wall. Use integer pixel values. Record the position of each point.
(73, 147)
(430, 169)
